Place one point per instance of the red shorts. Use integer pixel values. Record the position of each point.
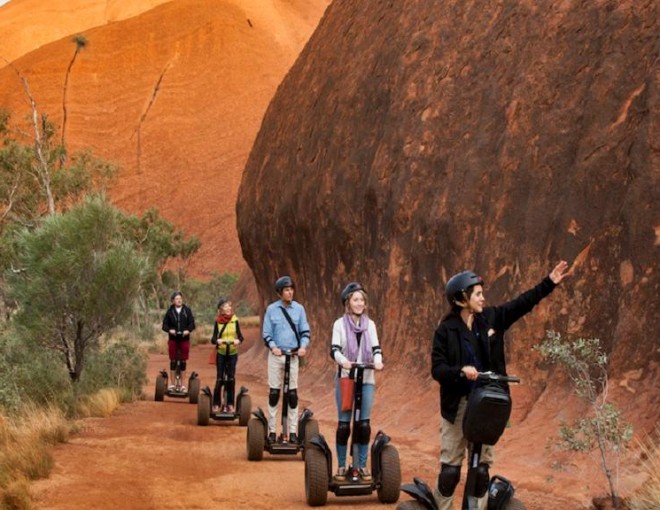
(183, 349)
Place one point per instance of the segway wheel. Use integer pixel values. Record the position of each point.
(316, 477)
(161, 387)
(244, 410)
(311, 430)
(256, 438)
(388, 492)
(193, 390)
(203, 410)
(515, 504)
(410, 504)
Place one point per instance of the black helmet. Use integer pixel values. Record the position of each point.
(349, 289)
(175, 294)
(282, 282)
(222, 301)
(460, 283)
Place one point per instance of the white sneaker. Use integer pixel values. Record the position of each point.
(215, 409)
(183, 389)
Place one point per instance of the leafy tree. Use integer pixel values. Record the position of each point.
(586, 366)
(24, 197)
(204, 295)
(79, 278)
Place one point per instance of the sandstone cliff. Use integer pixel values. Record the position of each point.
(173, 92)
(415, 139)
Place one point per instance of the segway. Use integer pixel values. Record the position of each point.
(385, 467)
(205, 403)
(486, 416)
(162, 390)
(257, 433)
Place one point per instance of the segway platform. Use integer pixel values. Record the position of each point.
(242, 413)
(162, 390)
(385, 481)
(258, 441)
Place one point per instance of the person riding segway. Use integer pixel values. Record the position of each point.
(178, 323)
(470, 340)
(356, 351)
(286, 335)
(279, 444)
(385, 476)
(219, 405)
(177, 389)
(224, 412)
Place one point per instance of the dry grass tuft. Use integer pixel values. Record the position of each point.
(16, 496)
(648, 497)
(99, 405)
(25, 444)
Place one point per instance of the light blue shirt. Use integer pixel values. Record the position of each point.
(277, 331)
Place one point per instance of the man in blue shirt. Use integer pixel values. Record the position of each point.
(280, 334)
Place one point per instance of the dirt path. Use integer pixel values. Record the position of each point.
(152, 455)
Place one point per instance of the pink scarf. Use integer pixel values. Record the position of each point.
(365, 341)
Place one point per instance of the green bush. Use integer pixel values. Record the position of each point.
(586, 365)
(120, 365)
(28, 374)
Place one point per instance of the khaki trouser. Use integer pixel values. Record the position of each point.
(453, 447)
(275, 379)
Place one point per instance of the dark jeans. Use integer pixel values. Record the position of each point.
(226, 365)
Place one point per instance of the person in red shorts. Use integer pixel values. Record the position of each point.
(178, 323)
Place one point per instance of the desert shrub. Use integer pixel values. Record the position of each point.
(28, 374)
(602, 427)
(120, 365)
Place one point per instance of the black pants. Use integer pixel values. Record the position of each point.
(226, 365)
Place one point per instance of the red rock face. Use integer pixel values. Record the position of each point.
(415, 139)
(172, 93)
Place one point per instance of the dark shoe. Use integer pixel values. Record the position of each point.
(293, 438)
(272, 437)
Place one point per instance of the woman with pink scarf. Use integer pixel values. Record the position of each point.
(354, 339)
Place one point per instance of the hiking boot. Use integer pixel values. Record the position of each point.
(293, 438)
(365, 474)
(341, 474)
(272, 437)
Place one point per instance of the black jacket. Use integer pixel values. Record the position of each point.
(449, 355)
(179, 322)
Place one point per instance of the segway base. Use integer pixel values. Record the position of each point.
(282, 448)
(176, 394)
(350, 488)
(224, 416)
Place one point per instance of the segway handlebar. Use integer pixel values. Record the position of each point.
(289, 352)
(365, 366)
(492, 376)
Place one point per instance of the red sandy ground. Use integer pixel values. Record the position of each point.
(152, 455)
